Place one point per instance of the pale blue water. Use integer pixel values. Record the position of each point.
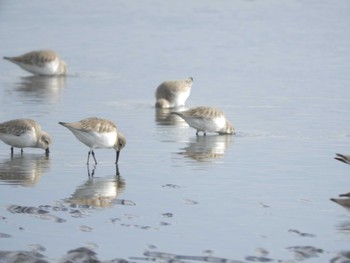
(280, 71)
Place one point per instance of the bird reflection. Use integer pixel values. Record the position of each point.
(24, 170)
(98, 191)
(91, 171)
(42, 88)
(344, 227)
(164, 117)
(341, 257)
(207, 148)
(343, 201)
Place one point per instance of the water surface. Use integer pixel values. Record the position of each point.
(278, 69)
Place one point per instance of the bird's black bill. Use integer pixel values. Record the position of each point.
(117, 157)
(47, 152)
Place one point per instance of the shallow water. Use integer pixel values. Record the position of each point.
(278, 69)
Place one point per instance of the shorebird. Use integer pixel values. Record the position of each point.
(345, 202)
(173, 93)
(97, 133)
(343, 158)
(40, 62)
(207, 119)
(21, 133)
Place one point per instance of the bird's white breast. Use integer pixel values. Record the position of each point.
(214, 124)
(95, 140)
(27, 139)
(181, 97)
(50, 68)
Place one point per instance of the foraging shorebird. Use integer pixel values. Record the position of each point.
(40, 62)
(207, 119)
(173, 93)
(22, 133)
(343, 158)
(97, 133)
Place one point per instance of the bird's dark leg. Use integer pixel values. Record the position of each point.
(12, 151)
(21, 150)
(88, 157)
(204, 133)
(93, 155)
(197, 132)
